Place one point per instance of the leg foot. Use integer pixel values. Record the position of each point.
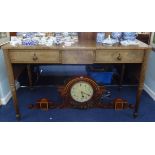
(18, 117)
(135, 114)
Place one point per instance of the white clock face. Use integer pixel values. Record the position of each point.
(81, 91)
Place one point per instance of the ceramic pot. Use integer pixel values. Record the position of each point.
(100, 37)
(116, 35)
(129, 35)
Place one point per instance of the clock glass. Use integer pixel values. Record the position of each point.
(81, 91)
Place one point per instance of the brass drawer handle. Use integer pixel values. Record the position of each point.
(119, 57)
(35, 58)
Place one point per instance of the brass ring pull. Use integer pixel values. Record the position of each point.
(35, 58)
(119, 57)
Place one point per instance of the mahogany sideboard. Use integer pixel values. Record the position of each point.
(85, 52)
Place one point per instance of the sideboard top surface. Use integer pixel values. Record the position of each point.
(84, 45)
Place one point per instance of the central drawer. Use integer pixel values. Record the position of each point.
(34, 56)
(77, 57)
(119, 56)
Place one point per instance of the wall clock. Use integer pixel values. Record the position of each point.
(81, 92)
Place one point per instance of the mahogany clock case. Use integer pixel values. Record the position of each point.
(65, 92)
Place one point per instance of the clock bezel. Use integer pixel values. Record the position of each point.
(82, 81)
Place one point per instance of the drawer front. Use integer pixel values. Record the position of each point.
(78, 57)
(119, 56)
(34, 56)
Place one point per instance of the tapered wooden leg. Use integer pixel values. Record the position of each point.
(141, 83)
(29, 75)
(12, 83)
(15, 101)
(122, 76)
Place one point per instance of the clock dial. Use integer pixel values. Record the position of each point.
(81, 91)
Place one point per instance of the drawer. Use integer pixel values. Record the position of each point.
(34, 56)
(78, 57)
(119, 56)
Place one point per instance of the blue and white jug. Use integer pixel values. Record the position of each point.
(100, 37)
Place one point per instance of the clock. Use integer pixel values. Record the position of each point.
(81, 92)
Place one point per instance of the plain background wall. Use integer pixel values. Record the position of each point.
(4, 85)
(150, 75)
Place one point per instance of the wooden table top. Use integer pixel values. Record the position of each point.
(84, 45)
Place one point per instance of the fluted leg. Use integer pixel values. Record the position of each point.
(12, 83)
(122, 76)
(141, 83)
(29, 75)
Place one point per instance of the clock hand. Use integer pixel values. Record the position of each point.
(84, 93)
